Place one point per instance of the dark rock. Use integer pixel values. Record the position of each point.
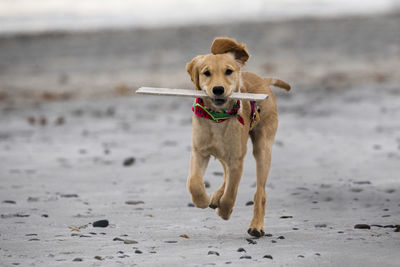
(245, 257)
(69, 195)
(251, 241)
(249, 203)
(295, 228)
(207, 184)
(228, 262)
(268, 235)
(129, 161)
(92, 233)
(190, 205)
(133, 202)
(45, 215)
(211, 252)
(317, 254)
(84, 236)
(268, 257)
(218, 173)
(361, 182)
(98, 258)
(281, 237)
(31, 235)
(77, 259)
(127, 241)
(320, 225)
(9, 202)
(362, 226)
(241, 250)
(100, 223)
(273, 241)
(137, 251)
(286, 217)
(300, 256)
(123, 256)
(118, 239)
(34, 239)
(171, 241)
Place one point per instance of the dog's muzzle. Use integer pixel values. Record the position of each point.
(219, 98)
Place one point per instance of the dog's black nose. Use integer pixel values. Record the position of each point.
(218, 90)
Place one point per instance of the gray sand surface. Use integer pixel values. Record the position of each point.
(336, 160)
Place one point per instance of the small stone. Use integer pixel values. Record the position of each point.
(190, 205)
(98, 258)
(132, 202)
(286, 217)
(218, 173)
(362, 226)
(300, 256)
(34, 239)
(127, 241)
(207, 184)
(295, 228)
(241, 250)
(317, 254)
(9, 202)
(137, 251)
(45, 215)
(281, 237)
(268, 257)
(100, 223)
(69, 195)
(84, 236)
(77, 259)
(118, 239)
(129, 161)
(268, 235)
(211, 252)
(251, 241)
(245, 257)
(273, 241)
(320, 225)
(184, 236)
(249, 203)
(171, 241)
(33, 199)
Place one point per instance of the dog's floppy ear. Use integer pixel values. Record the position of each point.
(192, 69)
(223, 45)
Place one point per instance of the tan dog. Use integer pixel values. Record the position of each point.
(218, 74)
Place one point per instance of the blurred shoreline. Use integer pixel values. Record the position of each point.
(310, 53)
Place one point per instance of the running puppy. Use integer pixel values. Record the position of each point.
(222, 126)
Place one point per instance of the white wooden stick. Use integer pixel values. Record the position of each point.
(195, 93)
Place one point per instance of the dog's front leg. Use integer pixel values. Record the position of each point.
(195, 184)
(233, 174)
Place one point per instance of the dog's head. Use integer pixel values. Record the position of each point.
(218, 74)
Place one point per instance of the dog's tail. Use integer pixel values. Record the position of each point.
(278, 83)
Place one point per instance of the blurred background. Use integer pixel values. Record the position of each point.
(66, 49)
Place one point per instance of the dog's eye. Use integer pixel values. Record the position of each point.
(228, 72)
(207, 73)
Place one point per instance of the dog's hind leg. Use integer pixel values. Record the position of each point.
(195, 184)
(262, 146)
(216, 196)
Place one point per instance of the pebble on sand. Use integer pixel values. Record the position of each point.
(100, 223)
(268, 257)
(251, 241)
(133, 202)
(211, 252)
(249, 203)
(362, 226)
(77, 259)
(127, 241)
(245, 257)
(137, 251)
(129, 161)
(9, 202)
(241, 250)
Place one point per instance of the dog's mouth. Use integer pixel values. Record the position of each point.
(219, 101)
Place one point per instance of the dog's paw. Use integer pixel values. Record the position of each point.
(201, 201)
(256, 232)
(214, 202)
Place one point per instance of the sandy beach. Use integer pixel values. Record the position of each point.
(77, 146)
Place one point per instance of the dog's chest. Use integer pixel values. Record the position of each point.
(223, 140)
